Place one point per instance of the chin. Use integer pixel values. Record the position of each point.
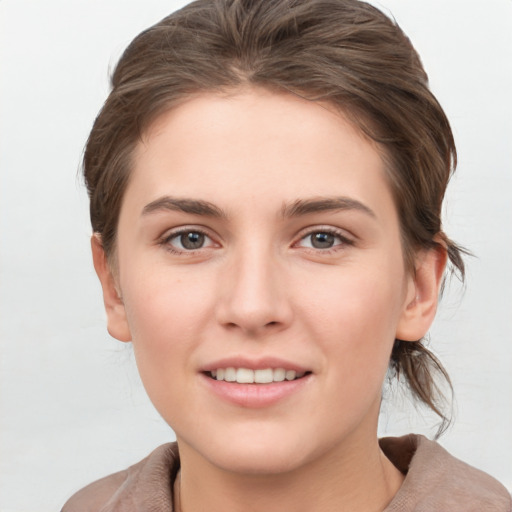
(258, 451)
(258, 459)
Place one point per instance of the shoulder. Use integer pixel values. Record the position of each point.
(132, 489)
(435, 480)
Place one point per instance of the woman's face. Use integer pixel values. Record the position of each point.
(258, 239)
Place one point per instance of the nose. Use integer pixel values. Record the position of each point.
(253, 294)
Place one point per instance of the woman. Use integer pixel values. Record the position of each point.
(266, 181)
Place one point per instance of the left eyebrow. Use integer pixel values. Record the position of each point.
(322, 204)
(185, 205)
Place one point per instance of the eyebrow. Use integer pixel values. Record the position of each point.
(296, 209)
(322, 204)
(192, 206)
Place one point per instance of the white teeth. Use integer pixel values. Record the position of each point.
(264, 376)
(290, 374)
(244, 376)
(230, 375)
(248, 376)
(279, 374)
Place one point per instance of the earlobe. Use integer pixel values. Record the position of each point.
(422, 294)
(117, 324)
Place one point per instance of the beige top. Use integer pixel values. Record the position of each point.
(435, 482)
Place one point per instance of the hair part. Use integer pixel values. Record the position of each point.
(345, 53)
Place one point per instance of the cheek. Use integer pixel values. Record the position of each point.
(165, 306)
(355, 317)
(367, 299)
(167, 316)
(164, 328)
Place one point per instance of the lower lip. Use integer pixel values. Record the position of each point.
(255, 396)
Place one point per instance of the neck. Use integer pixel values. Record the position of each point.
(358, 480)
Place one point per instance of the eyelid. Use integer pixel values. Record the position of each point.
(168, 235)
(345, 237)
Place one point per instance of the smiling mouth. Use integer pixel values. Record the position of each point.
(248, 376)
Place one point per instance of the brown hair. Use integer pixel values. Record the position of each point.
(343, 52)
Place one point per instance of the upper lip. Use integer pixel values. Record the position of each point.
(253, 364)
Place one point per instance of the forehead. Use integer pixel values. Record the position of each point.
(256, 140)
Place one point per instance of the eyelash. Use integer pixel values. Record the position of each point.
(166, 240)
(340, 235)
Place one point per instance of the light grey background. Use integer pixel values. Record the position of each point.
(71, 405)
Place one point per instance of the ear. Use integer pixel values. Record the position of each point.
(422, 294)
(117, 324)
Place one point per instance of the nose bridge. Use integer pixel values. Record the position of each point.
(254, 295)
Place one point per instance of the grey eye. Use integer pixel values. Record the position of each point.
(322, 240)
(189, 240)
(192, 240)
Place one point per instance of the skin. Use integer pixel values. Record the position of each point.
(258, 287)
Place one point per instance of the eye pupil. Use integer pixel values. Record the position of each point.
(192, 240)
(322, 240)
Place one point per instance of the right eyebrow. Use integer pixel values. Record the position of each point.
(192, 206)
(323, 204)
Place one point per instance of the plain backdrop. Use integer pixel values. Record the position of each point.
(71, 406)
